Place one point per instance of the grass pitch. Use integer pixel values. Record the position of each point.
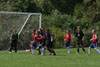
(24, 59)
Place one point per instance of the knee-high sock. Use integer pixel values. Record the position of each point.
(68, 49)
(43, 50)
(53, 52)
(78, 50)
(32, 51)
(83, 50)
(89, 51)
(39, 51)
(98, 51)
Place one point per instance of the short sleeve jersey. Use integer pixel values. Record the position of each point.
(14, 37)
(94, 37)
(79, 35)
(68, 37)
(37, 38)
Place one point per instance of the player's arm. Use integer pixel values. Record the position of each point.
(52, 38)
(83, 36)
(11, 36)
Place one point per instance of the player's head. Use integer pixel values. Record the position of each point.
(34, 31)
(14, 30)
(37, 32)
(78, 28)
(68, 31)
(93, 31)
(47, 30)
(40, 30)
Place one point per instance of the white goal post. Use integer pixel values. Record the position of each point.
(25, 13)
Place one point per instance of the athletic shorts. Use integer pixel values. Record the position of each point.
(50, 45)
(67, 44)
(80, 42)
(36, 45)
(42, 44)
(93, 45)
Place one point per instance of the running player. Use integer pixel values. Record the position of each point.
(36, 42)
(32, 42)
(49, 42)
(42, 41)
(68, 40)
(80, 37)
(94, 42)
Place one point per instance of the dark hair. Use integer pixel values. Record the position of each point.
(47, 30)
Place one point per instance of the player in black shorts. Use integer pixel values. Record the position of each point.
(80, 37)
(49, 42)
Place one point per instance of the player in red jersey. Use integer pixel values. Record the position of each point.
(31, 46)
(42, 41)
(94, 42)
(68, 40)
(36, 42)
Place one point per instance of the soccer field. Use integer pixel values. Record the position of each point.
(24, 59)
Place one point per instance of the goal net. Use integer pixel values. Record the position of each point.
(22, 22)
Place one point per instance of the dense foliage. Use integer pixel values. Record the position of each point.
(59, 15)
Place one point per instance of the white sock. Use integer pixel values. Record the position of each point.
(43, 50)
(68, 49)
(89, 51)
(98, 51)
(32, 51)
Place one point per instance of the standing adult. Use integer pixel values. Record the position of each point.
(14, 40)
(80, 37)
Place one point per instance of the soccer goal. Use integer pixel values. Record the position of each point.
(23, 22)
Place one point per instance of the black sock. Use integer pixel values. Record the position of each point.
(49, 50)
(84, 50)
(39, 52)
(78, 50)
(53, 52)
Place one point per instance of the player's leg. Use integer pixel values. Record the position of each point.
(78, 46)
(82, 46)
(43, 48)
(97, 50)
(15, 45)
(11, 46)
(52, 51)
(51, 47)
(31, 47)
(95, 47)
(89, 50)
(48, 48)
(68, 46)
(91, 46)
(38, 47)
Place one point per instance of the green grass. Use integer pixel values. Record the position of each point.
(24, 59)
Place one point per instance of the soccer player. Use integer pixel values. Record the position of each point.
(68, 40)
(80, 37)
(42, 41)
(14, 41)
(94, 42)
(36, 42)
(49, 42)
(32, 42)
